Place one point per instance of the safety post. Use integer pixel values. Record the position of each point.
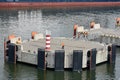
(48, 37)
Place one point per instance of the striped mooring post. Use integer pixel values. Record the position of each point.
(48, 37)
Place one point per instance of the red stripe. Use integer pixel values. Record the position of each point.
(47, 35)
(47, 43)
(47, 39)
(47, 47)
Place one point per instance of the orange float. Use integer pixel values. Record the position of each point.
(92, 24)
(33, 34)
(11, 36)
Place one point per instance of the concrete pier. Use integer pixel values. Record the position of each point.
(61, 53)
(28, 50)
(104, 35)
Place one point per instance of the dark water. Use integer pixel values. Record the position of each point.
(60, 22)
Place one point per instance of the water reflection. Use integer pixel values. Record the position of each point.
(111, 71)
(91, 75)
(59, 75)
(21, 72)
(10, 71)
(41, 75)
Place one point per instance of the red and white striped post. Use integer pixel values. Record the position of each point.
(48, 37)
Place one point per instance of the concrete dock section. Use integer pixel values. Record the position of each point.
(28, 52)
(104, 35)
(59, 53)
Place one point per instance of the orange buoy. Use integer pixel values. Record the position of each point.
(11, 36)
(33, 34)
(75, 28)
(92, 24)
(117, 21)
(62, 44)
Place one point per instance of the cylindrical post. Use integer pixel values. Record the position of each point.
(48, 42)
(75, 29)
(59, 60)
(88, 59)
(109, 54)
(12, 53)
(91, 59)
(112, 53)
(41, 59)
(77, 60)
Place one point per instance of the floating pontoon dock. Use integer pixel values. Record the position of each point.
(106, 35)
(76, 54)
(102, 35)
